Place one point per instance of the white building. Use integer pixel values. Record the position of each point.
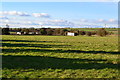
(31, 33)
(19, 33)
(71, 34)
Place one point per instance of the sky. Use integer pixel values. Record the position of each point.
(59, 0)
(59, 14)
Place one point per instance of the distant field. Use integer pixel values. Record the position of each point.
(59, 56)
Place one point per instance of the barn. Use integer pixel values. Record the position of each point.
(19, 33)
(71, 34)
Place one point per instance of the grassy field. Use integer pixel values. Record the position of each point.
(59, 56)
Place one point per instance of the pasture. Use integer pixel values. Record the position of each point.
(35, 56)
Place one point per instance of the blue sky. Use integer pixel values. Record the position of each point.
(59, 0)
(60, 14)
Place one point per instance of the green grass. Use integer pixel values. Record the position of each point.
(59, 56)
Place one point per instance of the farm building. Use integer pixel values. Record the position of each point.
(31, 32)
(71, 34)
(34, 33)
(18, 33)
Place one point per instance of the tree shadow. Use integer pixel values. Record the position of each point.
(55, 51)
(31, 41)
(94, 52)
(42, 62)
(45, 46)
(32, 45)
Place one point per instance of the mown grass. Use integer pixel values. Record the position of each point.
(59, 56)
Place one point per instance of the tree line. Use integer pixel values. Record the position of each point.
(55, 31)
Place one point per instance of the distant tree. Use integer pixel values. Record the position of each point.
(31, 28)
(62, 31)
(19, 29)
(26, 31)
(23, 29)
(0, 30)
(43, 31)
(82, 32)
(65, 30)
(56, 31)
(76, 32)
(93, 32)
(110, 33)
(88, 33)
(5, 31)
(102, 32)
(16, 29)
(49, 31)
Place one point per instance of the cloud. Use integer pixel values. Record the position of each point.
(5, 21)
(54, 24)
(61, 23)
(36, 23)
(14, 13)
(112, 20)
(43, 15)
(109, 21)
(101, 20)
(98, 21)
(3, 17)
(49, 22)
(64, 23)
(18, 13)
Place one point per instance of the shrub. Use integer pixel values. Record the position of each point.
(110, 33)
(93, 32)
(82, 32)
(63, 31)
(5, 31)
(43, 31)
(26, 31)
(49, 31)
(88, 33)
(76, 32)
(57, 31)
(102, 32)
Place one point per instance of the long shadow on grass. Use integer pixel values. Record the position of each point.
(31, 41)
(55, 51)
(32, 45)
(40, 62)
(45, 50)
